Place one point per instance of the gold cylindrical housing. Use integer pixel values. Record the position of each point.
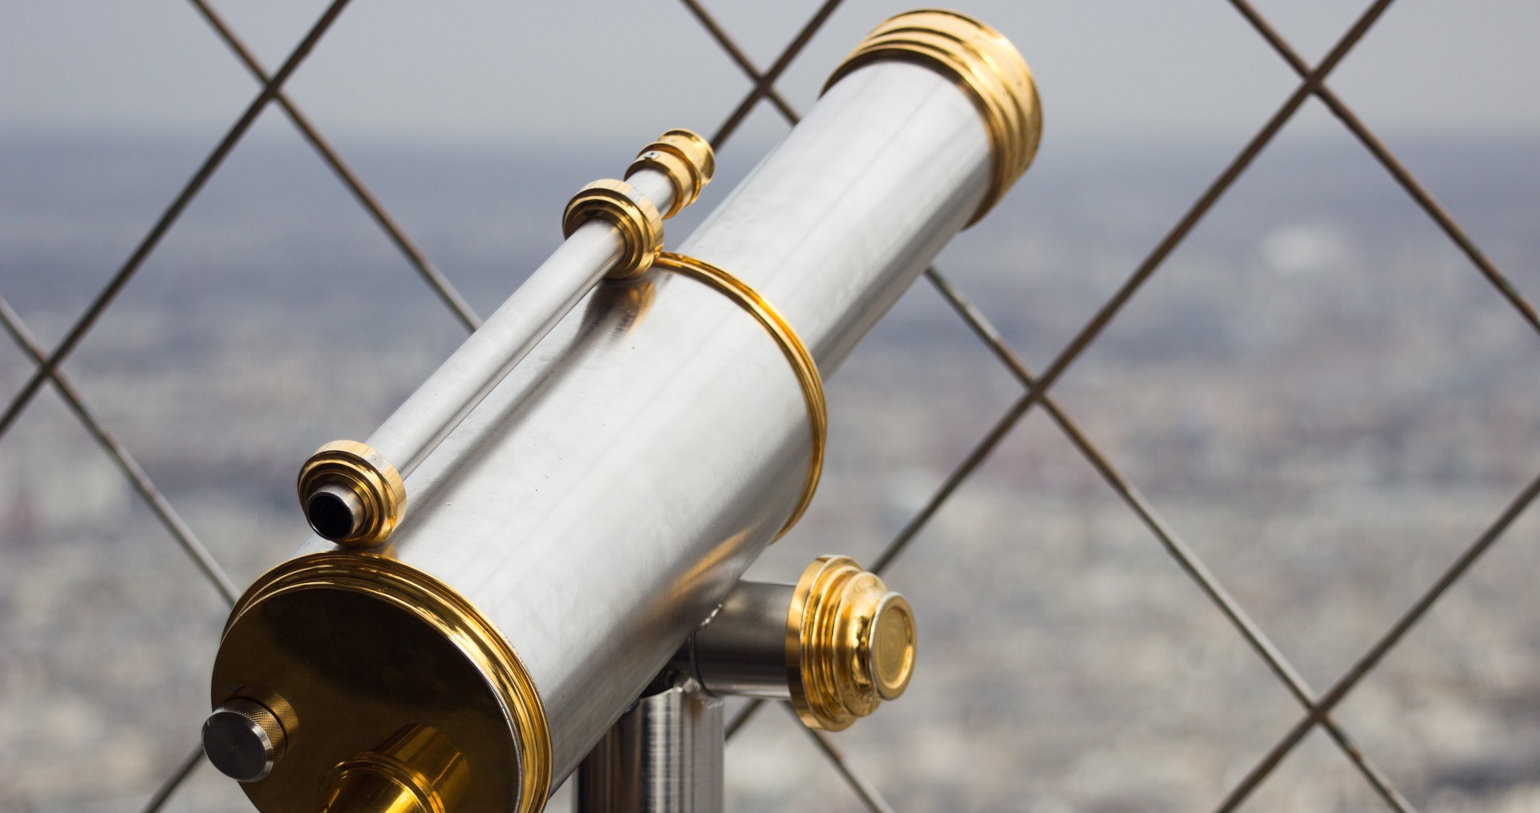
(982, 62)
(685, 158)
(631, 212)
(850, 643)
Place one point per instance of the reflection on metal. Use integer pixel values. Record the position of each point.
(629, 297)
(664, 755)
(838, 630)
(836, 644)
(796, 354)
(418, 770)
(576, 516)
(613, 228)
(741, 649)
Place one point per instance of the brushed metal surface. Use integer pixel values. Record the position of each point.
(741, 650)
(664, 755)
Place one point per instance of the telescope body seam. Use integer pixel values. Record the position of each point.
(791, 345)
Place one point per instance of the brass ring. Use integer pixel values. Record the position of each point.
(796, 352)
(630, 212)
(363, 472)
(685, 158)
(984, 64)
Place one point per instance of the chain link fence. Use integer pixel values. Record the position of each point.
(1223, 547)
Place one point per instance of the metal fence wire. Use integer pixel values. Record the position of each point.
(1317, 709)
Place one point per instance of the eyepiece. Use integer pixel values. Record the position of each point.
(333, 512)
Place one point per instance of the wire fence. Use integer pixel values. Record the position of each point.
(1317, 710)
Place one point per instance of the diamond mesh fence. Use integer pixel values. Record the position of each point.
(1225, 545)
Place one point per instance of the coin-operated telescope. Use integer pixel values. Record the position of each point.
(520, 564)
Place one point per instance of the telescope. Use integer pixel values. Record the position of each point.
(534, 566)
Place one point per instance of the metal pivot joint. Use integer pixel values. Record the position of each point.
(836, 644)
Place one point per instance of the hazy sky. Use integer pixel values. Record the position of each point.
(500, 70)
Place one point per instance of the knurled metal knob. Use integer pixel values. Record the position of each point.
(243, 739)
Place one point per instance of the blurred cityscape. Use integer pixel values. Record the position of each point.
(1318, 393)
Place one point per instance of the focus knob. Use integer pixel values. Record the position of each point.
(243, 739)
(850, 643)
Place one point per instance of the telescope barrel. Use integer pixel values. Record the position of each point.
(594, 507)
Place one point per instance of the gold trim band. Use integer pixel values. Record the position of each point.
(360, 470)
(685, 158)
(984, 64)
(791, 345)
(630, 212)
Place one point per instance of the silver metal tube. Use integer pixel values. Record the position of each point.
(664, 755)
(741, 650)
(655, 186)
(430, 413)
(836, 644)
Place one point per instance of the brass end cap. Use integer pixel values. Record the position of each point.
(984, 64)
(686, 158)
(407, 691)
(850, 643)
(351, 494)
(630, 212)
(890, 656)
(417, 771)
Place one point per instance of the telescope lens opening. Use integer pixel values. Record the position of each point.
(333, 512)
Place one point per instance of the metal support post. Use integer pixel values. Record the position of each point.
(664, 755)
